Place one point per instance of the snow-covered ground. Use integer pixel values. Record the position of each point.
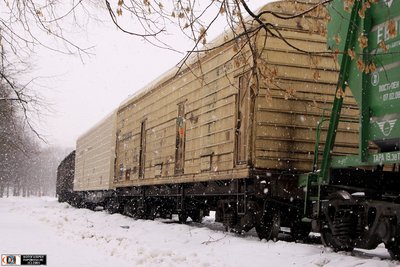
(80, 237)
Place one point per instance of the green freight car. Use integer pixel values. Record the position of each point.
(354, 201)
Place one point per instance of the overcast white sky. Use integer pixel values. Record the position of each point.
(81, 94)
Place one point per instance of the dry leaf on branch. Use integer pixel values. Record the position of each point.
(363, 41)
(289, 93)
(337, 39)
(392, 29)
(363, 9)
(372, 67)
(316, 75)
(351, 53)
(347, 4)
(383, 46)
(340, 93)
(119, 11)
(360, 65)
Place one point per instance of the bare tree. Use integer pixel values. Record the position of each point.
(16, 146)
(26, 24)
(196, 19)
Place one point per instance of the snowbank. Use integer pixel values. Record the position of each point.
(80, 237)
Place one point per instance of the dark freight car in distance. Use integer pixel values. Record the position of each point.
(65, 178)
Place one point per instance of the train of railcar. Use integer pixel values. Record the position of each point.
(65, 178)
(211, 138)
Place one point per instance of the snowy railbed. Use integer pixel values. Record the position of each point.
(81, 237)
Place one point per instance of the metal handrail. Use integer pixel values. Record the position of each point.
(317, 139)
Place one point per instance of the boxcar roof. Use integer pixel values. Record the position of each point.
(168, 75)
(193, 58)
(94, 127)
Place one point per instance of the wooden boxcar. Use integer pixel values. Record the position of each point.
(208, 136)
(206, 123)
(95, 155)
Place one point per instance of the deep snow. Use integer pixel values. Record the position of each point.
(80, 237)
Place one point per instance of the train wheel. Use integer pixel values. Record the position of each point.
(269, 226)
(300, 231)
(112, 205)
(129, 211)
(129, 208)
(329, 240)
(230, 221)
(197, 215)
(151, 213)
(140, 214)
(394, 249)
(182, 216)
(341, 221)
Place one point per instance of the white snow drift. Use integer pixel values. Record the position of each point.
(80, 237)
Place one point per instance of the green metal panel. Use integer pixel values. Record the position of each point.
(338, 28)
(379, 94)
(345, 64)
(384, 93)
(372, 159)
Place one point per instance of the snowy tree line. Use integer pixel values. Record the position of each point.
(25, 167)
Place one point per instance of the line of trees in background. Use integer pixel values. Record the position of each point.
(25, 168)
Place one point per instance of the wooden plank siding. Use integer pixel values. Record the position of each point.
(282, 126)
(209, 121)
(285, 123)
(95, 155)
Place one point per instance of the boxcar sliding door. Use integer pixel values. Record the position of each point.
(180, 140)
(142, 149)
(243, 124)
